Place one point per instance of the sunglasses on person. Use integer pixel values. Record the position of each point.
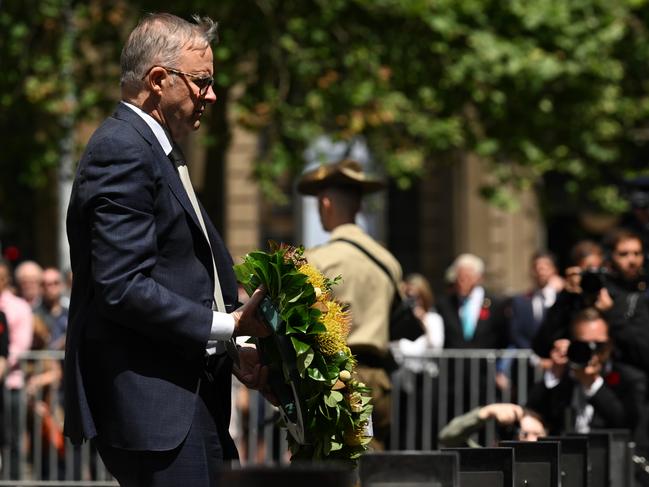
(201, 81)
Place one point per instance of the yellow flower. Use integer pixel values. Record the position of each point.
(316, 279)
(336, 321)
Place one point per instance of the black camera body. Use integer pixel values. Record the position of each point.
(580, 353)
(592, 281)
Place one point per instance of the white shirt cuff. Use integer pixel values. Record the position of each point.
(222, 326)
(594, 387)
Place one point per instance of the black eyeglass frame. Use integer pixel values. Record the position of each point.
(198, 80)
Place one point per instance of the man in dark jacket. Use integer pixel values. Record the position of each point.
(473, 318)
(583, 389)
(154, 299)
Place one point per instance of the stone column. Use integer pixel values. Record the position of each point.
(456, 219)
(505, 240)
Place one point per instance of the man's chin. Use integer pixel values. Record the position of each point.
(632, 275)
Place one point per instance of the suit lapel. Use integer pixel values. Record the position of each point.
(169, 172)
(171, 175)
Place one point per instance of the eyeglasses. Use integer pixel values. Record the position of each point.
(202, 82)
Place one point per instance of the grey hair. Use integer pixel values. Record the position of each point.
(469, 261)
(159, 39)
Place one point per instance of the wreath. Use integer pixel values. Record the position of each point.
(326, 410)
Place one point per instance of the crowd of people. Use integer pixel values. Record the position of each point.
(587, 326)
(34, 314)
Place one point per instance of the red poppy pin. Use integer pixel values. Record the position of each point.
(485, 312)
(612, 378)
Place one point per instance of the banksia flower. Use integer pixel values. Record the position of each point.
(316, 279)
(336, 321)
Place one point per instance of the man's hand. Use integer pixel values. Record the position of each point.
(247, 321)
(593, 369)
(503, 413)
(604, 301)
(502, 381)
(252, 374)
(557, 283)
(559, 356)
(587, 375)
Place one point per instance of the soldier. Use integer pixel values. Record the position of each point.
(369, 276)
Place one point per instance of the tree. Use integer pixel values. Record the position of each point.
(53, 84)
(545, 90)
(537, 88)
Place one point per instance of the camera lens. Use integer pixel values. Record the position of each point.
(580, 353)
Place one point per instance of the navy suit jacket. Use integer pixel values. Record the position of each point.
(140, 311)
(523, 324)
(491, 329)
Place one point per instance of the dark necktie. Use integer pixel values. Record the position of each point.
(178, 158)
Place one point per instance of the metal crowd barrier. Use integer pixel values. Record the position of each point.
(428, 391)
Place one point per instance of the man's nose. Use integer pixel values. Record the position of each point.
(210, 96)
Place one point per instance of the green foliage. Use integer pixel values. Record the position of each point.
(336, 409)
(535, 87)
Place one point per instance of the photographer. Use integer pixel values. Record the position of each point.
(628, 315)
(616, 290)
(584, 255)
(583, 389)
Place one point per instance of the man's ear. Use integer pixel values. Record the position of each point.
(155, 80)
(325, 201)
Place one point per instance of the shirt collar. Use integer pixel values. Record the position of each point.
(155, 126)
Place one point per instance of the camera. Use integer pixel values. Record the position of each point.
(639, 199)
(592, 281)
(580, 353)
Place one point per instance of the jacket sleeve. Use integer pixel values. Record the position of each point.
(556, 323)
(457, 433)
(630, 332)
(610, 407)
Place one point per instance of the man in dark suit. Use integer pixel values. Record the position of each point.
(528, 309)
(472, 317)
(584, 389)
(153, 305)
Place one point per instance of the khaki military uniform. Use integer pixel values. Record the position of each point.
(369, 292)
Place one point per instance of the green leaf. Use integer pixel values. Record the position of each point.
(304, 355)
(316, 375)
(335, 446)
(332, 398)
(296, 298)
